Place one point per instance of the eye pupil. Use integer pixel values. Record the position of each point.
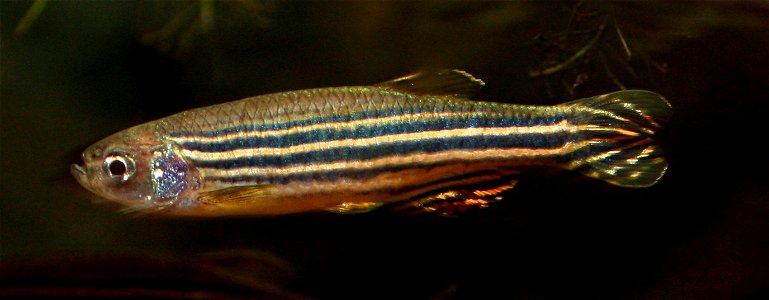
(117, 168)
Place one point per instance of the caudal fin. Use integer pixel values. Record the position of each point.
(614, 134)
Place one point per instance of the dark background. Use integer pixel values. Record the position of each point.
(85, 69)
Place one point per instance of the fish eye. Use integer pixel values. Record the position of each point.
(119, 166)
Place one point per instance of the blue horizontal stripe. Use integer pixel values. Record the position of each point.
(538, 141)
(379, 129)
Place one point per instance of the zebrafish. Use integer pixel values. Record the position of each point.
(417, 140)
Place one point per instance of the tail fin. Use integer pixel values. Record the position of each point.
(615, 130)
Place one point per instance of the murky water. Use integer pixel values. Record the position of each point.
(83, 70)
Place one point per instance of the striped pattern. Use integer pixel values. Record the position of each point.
(322, 148)
(377, 131)
(350, 149)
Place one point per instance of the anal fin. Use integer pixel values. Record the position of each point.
(451, 202)
(354, 207)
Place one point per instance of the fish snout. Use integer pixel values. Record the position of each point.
(79, 173)
(77, 170)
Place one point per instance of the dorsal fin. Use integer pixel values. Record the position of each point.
(454, 83)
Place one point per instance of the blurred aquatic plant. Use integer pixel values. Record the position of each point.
(591, 47)
(30, 17)
(174, 27)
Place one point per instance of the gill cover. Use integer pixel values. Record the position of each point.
(172, 178)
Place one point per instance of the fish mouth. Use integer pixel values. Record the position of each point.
(77, 170)
(79, 173)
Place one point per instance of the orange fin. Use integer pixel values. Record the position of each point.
(453, 201)
(236, 195)
(354, 207)
(453, 83)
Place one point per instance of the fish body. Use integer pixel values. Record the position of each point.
(416, 140)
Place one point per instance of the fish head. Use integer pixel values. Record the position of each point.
(136, 169)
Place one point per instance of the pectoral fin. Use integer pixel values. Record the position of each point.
(236, 195)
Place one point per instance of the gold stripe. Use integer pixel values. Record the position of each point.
(342, 125)
(383, 181)
(590, 127)
(367, 142)
(383, 185)
(400, 160)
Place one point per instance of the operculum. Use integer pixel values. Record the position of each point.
(172, 177)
